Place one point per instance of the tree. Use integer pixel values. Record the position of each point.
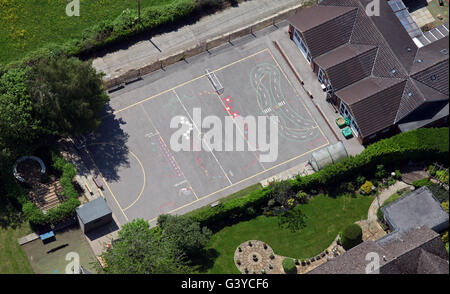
(185, 233)
(141, 251)
(19, 127)
(68, 95)
(292, 219)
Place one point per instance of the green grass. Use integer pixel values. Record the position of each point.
(12, 226)
(27, 25)
(394, 197)
(325, 218)
(435, 9)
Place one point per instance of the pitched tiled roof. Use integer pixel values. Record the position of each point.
(435, 77)
(355, 60)
(374, 102)
(333, 39)
(316, 16)
(418, 251)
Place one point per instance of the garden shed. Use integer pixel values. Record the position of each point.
(328, 155)
(93, 214)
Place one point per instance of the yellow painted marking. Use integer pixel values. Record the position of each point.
(237, 183)
(164, 142)
(107, 186)
(186, 83)
(143, 185)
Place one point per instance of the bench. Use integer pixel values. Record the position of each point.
(47, 235)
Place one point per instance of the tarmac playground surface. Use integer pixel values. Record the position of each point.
(131, 150)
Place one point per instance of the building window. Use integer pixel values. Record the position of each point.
(385, 130)
(372, 137)
(302, 45)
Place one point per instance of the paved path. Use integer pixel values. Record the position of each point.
(371, 227)
(246, 13)
(384, 195)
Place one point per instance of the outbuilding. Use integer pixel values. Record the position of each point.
(94, 214)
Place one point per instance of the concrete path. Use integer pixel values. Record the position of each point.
(371, 228)
(246, 13)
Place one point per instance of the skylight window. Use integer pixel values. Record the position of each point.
(433, 77)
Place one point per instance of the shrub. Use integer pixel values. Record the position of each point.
(432, 170)
(301, 196)
(351, 236)
(445, 237)
(360, 180)
(367, 188)
(398, 174)
(420, 183)
(289, 266)
(380, 172)
(445, 205)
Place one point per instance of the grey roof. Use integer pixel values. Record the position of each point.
(93, 210)
(417, 251)
(415, 209)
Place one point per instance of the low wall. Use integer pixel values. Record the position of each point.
(200, 48)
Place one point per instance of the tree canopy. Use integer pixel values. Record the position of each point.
(142, 251)
(185, 233)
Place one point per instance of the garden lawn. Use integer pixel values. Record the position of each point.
(12, 258)
(27, 25)
(325, 218)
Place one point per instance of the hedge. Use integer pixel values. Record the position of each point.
(63, 210)
(419, 145)
(351, 236)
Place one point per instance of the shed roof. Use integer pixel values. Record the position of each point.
(416, 209)
(93, 210)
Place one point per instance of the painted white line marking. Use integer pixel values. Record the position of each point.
(198, 131)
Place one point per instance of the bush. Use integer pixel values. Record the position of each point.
(445, 205)
(432, 170)
(360, 180)
(289, 266)
(351, 236)
(445, 237)
(302, 197)
(367, 188)
(420, 183)
(380, 172)
(398, 174)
